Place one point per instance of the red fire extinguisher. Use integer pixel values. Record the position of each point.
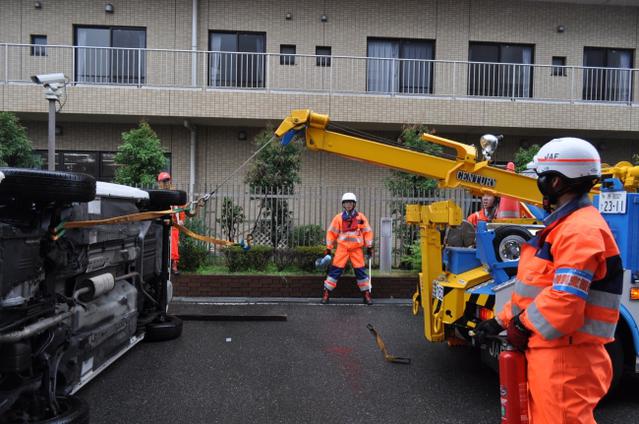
(513, 387)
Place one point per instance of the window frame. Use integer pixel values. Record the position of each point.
(39, 50)
(141, 78)
(234, 83)
(402, 60)
(323, 60)
(59, 166)
(288, 59)
(558, 70)
(472, 88)
(593, 76)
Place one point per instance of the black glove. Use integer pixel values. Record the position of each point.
(369, 252)
(328, 252)
(487, 328)
(517, 334)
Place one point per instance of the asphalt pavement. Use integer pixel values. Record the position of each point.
(321, 365)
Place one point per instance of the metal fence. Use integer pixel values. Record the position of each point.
(288, 218)
(215, 70)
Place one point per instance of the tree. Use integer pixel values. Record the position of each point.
(16, 149)
(402, 184)
(140, 157)
(273, 175)
(525, 155)
(231, 217)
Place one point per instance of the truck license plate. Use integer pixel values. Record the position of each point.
(612, 202)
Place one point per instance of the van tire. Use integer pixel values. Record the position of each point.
(46, 186)
(167, 327)
(160, 200)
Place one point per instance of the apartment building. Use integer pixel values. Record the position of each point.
(209, 74)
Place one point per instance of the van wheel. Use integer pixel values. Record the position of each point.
(160, 200)
(166, 327)
(71, 410)
(46, 186)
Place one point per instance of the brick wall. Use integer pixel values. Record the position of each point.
(293, 286)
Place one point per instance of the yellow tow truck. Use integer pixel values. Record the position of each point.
(459, 286)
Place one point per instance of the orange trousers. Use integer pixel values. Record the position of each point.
(566, 383)
(344, 253)
(175, 238)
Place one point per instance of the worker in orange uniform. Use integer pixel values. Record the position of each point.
(488, 211)
(352, 232)
(164, 181)
(565, 303)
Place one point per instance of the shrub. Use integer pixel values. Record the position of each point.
(193, 253)
(15, 147)
(412, 258)
(307, 235)
(305, 256)
(256, 258)
(283, 258)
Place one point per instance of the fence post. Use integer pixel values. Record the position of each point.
(139, 67)
(385, 244)
(572, 84)
(267, 77)
(6, 63)
(454, 80)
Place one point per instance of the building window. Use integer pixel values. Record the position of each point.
(38, 41)
(110, 55)
(323, 54)
(98, 164)
(558, 66)
(501, 70)
(607, 74)
(400, 66)
(287, 54)
(237, 59)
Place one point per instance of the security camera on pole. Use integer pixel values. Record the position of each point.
(54, 88)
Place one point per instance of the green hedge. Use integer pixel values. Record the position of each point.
(256, 258)
(305, 256)
(193, 253)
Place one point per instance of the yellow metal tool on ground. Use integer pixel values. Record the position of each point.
(387, 356)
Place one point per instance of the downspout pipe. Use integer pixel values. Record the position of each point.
(188, 125)
(194, 45)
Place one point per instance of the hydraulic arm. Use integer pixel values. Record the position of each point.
(463, 171)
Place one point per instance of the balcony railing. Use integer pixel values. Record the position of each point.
(273, 72)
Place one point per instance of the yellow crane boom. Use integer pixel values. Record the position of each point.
(464, 171)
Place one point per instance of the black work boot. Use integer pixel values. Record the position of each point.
(367, 297)
(325, 296)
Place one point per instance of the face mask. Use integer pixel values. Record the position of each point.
(551, 194)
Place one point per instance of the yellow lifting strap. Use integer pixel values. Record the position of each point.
(140, 216)
(387, 356)
(203, 237)
(134, 217)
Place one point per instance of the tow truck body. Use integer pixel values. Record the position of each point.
(461, 286)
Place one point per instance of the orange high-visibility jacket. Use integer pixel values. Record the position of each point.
(569, 280)
(351, 233)
(475, 217)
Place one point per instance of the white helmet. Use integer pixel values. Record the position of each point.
(569, 156)
(346, 197)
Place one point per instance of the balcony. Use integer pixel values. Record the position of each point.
(307, 78)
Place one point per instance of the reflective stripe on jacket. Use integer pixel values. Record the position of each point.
(351, 233)
(569, 280)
